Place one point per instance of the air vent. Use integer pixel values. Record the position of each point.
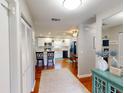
(104, 24)
(55, 19)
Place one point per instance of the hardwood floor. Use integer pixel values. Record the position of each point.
(87, 82)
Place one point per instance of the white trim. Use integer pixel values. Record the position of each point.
(4, 2)
(25, 23)
(33, 86)
(85, 75)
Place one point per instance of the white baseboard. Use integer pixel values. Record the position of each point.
(85, 75)
(33, 86)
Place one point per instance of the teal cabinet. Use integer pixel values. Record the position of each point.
(114, 89)
(105, 82)
(100, 85)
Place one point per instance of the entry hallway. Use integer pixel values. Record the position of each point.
(42, 32)
(60, 64)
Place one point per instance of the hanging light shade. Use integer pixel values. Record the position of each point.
(72, 4)
(75, 33)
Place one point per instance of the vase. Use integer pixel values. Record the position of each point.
(101, 64)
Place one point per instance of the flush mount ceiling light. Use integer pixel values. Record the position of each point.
(72, 4)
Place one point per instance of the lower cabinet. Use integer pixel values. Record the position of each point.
(114, 89)
(105, 82)
(99, 85)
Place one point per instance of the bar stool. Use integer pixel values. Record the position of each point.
(40, 57)
(50, 58)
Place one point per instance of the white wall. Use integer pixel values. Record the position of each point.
(4, 50)
(99, 20)
(113, 32)
(15, 46)
(86, 49)
(121, 49)
(25, 11)
(113, 36)
(29, 73)
(14, 43)
(82, 61)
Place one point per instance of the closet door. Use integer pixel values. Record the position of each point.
(4, 50)
(29, 57)
(23, 57)
(26, 58)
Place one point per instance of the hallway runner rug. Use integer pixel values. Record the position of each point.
(60, 81)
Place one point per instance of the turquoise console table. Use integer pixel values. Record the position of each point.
(105, 82)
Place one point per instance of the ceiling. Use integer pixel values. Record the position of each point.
(43, 10)
(114, 20)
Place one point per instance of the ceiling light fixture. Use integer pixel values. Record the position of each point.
(72, 4)
(75, 33)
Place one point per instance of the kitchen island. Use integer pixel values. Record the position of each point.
(58, 54)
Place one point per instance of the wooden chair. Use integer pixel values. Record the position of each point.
(40, 57)
(74, 59)
(50, 58)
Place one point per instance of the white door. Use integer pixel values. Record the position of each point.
(23, 58)
(27, 76)
(4, 50)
